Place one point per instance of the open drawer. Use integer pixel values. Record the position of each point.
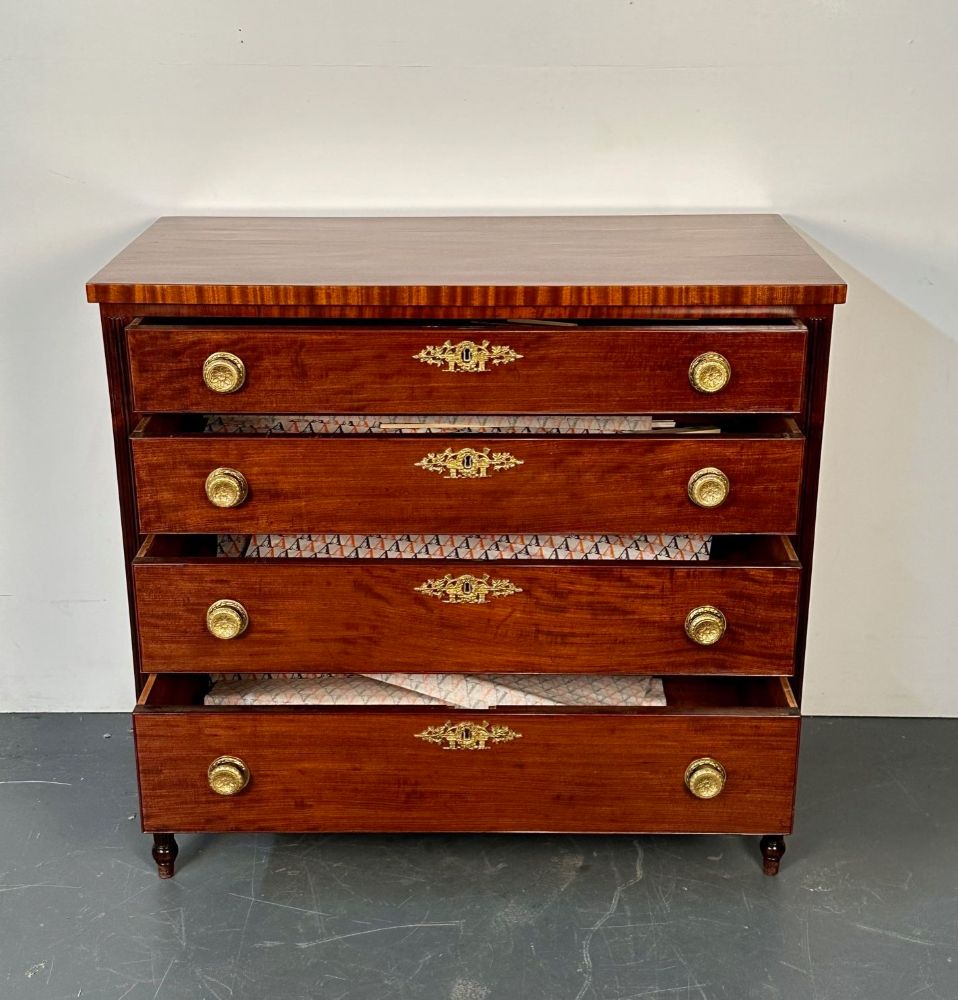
(733, 614)
(720, 757)
(739, 481)
(679, 367)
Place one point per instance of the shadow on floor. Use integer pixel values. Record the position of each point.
(866, 905)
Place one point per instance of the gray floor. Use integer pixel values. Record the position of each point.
(866, 905)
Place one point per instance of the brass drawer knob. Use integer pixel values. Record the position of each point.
(226, 487)
(705, 625)
(709, 372)
(226, 619)
(705, 778)
(224, 372)
(227, 775)
(708, 487)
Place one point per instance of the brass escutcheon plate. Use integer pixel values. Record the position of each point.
(467, 589)
(468, 463)
(467, 356)
(467, 735)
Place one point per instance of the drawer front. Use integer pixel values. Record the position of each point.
(468, 370)
(375, 615)
(369, 771)
(410, 484)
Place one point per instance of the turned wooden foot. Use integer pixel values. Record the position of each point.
(164, 853)
(773, 847)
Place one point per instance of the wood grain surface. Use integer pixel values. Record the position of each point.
(372, 484)
(374, 369)
(333, 770)
(709, 260)
(197, 285)
(367, 615)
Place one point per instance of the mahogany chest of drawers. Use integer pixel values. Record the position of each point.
(715, 327)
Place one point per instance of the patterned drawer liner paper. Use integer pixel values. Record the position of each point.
(473, 691)
(324, 423)
(683, 548)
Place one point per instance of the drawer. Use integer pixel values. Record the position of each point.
(365, 769)
(501, 368)
(383, 615)
(565, 484)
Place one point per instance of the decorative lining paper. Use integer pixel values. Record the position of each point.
(682, 548)
(467, 691)
(448, 690)
(430, 546)
(432, 424)
(490, 690)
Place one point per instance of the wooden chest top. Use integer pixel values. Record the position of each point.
(641, 261)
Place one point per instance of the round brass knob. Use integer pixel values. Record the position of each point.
(227, 775)
(226, 488)
(710, 372)
(705, 778)
(708, 487)
(226, 619)
(224, 372)
(705, 625)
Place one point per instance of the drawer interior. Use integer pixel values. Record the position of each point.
(721, 551)
(373, 768)
(450, 691)
(765, 696)
(258, 426)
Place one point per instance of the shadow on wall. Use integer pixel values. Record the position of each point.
(883, 626)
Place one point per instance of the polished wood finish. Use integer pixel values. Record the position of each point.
(817, 319)
(371, 483)
(290, 283)
(286, 314)
(584, 771)
(635, 261)
(813, 427)
(365, 615)
(773, 849)
(580, 369)
(165, 850)
(113, 326)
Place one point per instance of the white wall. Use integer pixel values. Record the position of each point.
(841, 114)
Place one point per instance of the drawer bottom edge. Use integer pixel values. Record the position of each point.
(773, 827)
